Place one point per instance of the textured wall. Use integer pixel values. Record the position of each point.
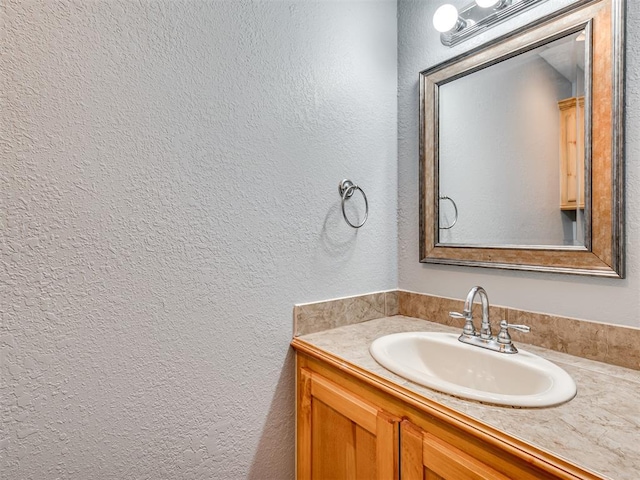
(605, 300)
(168, 191)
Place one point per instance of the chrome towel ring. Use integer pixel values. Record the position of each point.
(455, 208)
(346, 189)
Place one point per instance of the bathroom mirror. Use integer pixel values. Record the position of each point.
(521, 148)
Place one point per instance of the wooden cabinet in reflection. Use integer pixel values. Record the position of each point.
(571, 153)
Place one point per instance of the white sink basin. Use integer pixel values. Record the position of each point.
(439, 361)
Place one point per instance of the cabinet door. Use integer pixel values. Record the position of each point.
(425, 457)
(342, 436)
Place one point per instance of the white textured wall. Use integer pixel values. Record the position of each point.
(605, 300)
(168, 191)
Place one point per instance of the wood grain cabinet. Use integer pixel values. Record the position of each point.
(426, 457)
(572, 182)
(350, 425)
(340, 435)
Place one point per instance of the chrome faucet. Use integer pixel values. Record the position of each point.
(501, 342)
(485, 326)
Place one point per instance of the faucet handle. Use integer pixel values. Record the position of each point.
(504, 337)
(468, 329)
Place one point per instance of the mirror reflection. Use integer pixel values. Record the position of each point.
(511, 150)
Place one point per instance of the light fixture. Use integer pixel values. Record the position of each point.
(446, 19)
(492, 3)
(456, 26)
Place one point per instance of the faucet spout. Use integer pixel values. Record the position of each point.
(485, 327)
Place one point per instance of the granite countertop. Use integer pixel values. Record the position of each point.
(598, 430)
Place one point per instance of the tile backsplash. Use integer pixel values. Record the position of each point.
(613, 344)
(319, 316)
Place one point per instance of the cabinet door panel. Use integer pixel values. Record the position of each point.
(425, 457)
(341, 448)
(451, 462)
(341, 436)
(411, 465)
(429, 475)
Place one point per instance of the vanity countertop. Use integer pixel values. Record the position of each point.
(598, 430)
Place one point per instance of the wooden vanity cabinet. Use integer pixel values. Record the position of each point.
(353, 425)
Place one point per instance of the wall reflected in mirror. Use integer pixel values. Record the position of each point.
(511, 150)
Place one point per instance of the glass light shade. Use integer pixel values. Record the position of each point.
(487, 3)
(445, 18)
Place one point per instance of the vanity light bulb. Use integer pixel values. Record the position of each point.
(445, 18)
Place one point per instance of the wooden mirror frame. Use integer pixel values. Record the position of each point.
(603, 254)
